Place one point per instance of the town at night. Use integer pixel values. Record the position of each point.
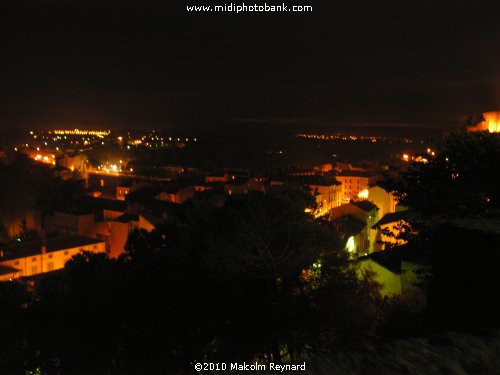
(209, 188)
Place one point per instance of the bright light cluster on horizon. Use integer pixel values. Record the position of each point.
(341, 137)
(97, 133)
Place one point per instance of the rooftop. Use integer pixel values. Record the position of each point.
(393, 258)
(311, 180)
(88, 204)
(366, 206)
(27, 249)
(154, 220)
(354, 173)
(126, 183)
(350, 225)
(5, 270)
(238, 181)
(386, 259)
(215, 174)
(392, 217)
(127, 218)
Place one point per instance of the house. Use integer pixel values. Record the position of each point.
(355, 234)
(38, 257)
(399, 270)
(389, 228)
(387, 272)
(120, 229)
(354, 182)
(237, 185)
(62, 172)
(383, 199)
(123, 189)
(8, 273)
(72, 223)
(364, 211)
(75, 162)
(219, 176)
(326, 190)
(81, 219)
(122, 226)
(176, 194)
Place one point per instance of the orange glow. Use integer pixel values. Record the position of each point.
(406, 157)
(43, 158)
(491, 123)
(363, 194)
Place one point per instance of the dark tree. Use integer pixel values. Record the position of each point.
(460, 181)
(455, 205)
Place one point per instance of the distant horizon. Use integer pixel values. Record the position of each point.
(231, 128)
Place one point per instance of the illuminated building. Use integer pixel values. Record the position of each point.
(389, 228)
(324, 168)
(384, 200)
(220, 176)
(242, 185)
(74, 162)
(326, 190)
(9, 273)
(354, 182)
(398, 271)
(122, 226)
(366, 213)
(104, 219)
(41, 156)
(62, 172)
(176, 194)
(38, 257)
(124, 189)
(355, 234)
(386, 272)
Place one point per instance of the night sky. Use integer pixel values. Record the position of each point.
(152, 63)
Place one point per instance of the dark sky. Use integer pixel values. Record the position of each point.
(152, 63)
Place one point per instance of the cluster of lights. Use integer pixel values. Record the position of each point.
(154, 140)
(340, 137)
(419, 158)
(96, 133)
(114, 168)
(45, 159)
(66, 138)
(109, 168)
